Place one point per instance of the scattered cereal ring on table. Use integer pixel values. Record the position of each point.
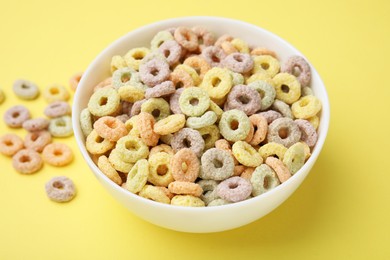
(61, 126)
(37, 140)
(57, 154)
(27, 161)
(36, 124)
(57, 109)
(10, 144)
(60, 189)
(55, 92)
(25, 89)
(2, 96)
(75, 80)
(15, 116)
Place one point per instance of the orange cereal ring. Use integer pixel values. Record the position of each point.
(108, 170)
(222, 39)
(199, 64)
(57, 154)
(10, 144)
(110, 128)
(228, 47)
(186, 38)
(188, 157)
(167, 192)
(281, 170)
(239, 169)
(145, 125)
(27, 161)
(247, 173)
(185, 188)
(205, 37)
(250, 134)
(74, 80)
(105, 83)
(181, 78)
(263, 51)
(37, 140)
(261, 125)
(170, 124)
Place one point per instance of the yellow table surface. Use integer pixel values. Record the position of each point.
(340, 211)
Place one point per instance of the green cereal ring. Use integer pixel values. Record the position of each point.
(131, 149)
(217, 202)
(210, 135)
(294, 158)
(288, 88)
(118, 164)
(104, 102)
(259, 76)
(160, 173)
(272, 149)
(237, 78)
(267, 93)
(187, 201)
(96, 144)
(306, 91)
(266, 64)
(194, 101)
(117, 62)
(263, 179)
(131, 93)
(208, 118)
(246, 154)
(217, 82)
(25, 89)
(234, 125)
(55, 92)
(138, 176)
(2, 96)
(209, 190)
(134, 57)
(159, 39)
(126, 76)
(216, 109)
(306, 107)
(283, 108)
(157, 107)
(61, 126)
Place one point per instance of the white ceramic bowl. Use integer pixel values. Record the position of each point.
(207, 219)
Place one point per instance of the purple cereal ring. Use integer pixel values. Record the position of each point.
(234, 189)
(15, 116)
(163, 89)
(238, 62)
(172, 51)
(284, 131)
(174, 101)
(309, 134)
(57, 109)
(136, 108)
(270, 115)
(188, 138)
(154, 72)
(298, 66)
(244, 98)
(205, 37)
(36, 124)
(213, 55)
(186, 38)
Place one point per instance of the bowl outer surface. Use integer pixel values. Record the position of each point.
(199, 220)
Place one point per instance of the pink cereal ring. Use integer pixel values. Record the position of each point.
(188, 138)
(205, 37)
(27, 161)
(154, 72)
(36, 124)
(136, 108)
(234, 189)
(172, 51)
(110, 128)
(309, 134)
(244, 98)
(10, 144)
(37, 140)
(238, 62)
(174, 101)
(270, 115)
(186, 38)
(213, 55)
(298, 66)
(16, 116)
(57, 109)
(163, 89)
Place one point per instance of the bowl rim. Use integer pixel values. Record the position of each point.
(324, 121)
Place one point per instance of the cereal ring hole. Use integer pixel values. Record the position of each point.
(264, 65)
(184, 167)
(187, 143)
(54, 91)
(111, 124)
(238, 58)
(266, 182)
(99, 139)
(233, 185)
(179, 84)
(215, 82)
(125, 77)
(296, 71)
(162, 169)
(103, 101)
(234, 125)
(8, 143)
(58, 185)
(167, 53)
(285, 88)
(15, 114)
(217, 163)
(156, 113)
(25, 159)
(194, 101)
(243, 99)
(25, 86)
(34, 137)
(57, 153)
(283, 132)
(206, 137)
(60, 123)
(154, 71)
(304, 102)
(130, 146)
(139, 55)
(214, 58)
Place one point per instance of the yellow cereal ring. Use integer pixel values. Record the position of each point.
(306, 107)
(260, 76)
(138, 176)
(307, 91)
(217, 82)
(154, 193)
(306, 148)
(134, 57)
(294, 158)
(104, 102)
(266, 64)
(187, 201)
(55, 92)
(191, 71)
(240, 45)
(159, 39)
(216, 109)
(246, 154)
(131, 149)
(314, 121)
(106, 167)
(210, 135)
(158, 107)
(131, 93)
(219, 101)
(162, 148)
(194, 101)
(117, 62)
(208, 118)
(185, 188)
(271, 149)
(96, 144)
(116, 161)
(166, 139)
(288, 88)
(131, 126)
(170, 124)
(160, 173)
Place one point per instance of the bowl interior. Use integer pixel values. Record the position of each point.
(99, 69)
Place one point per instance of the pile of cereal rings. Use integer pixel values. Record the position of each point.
(197, 120)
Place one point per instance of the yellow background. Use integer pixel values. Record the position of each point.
(342, 208)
